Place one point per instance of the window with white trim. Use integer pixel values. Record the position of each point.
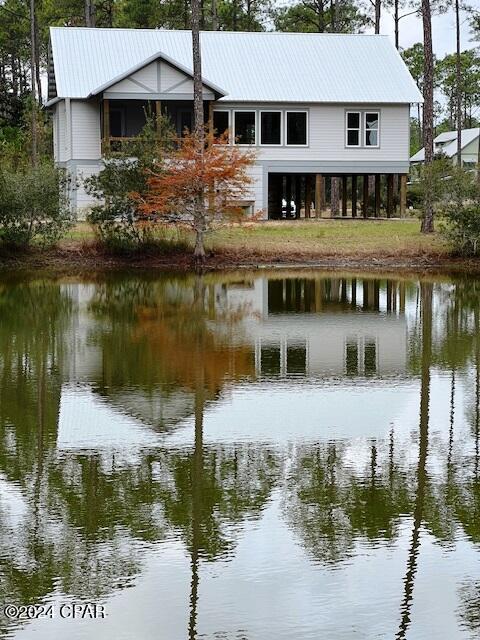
(245, 127)
(372, 128)
(353, 130)
(270, 127)
(297, 128)
(221, 124)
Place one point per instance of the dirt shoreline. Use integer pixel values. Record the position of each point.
(73, 259)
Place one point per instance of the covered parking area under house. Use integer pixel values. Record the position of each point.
(300, 195)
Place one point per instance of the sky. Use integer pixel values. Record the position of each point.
(443, 31)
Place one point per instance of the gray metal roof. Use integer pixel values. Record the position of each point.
(446, 143)
(250, 67)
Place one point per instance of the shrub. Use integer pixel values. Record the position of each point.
(462, 228)
(460, 211)
(33, 205)
(415, 195)
(115, 218)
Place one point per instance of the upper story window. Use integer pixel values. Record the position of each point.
(372, 124)
(353, 128)
(297, 128)
(270, 127)
(245, 132)
(221, 123)
(362, 129)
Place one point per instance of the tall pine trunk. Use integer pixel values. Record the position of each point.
(458, 82)
(378, 9)
(199, 127)
(427, 221)
(37, 62)
(89, 13)
(33, 122)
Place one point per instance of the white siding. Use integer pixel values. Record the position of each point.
(61, 151)
(146, 76)
(470, 151)
(256, 187)
(83, 199)
(169, 76)
(86, 137)
(146, 80)
(327, 134)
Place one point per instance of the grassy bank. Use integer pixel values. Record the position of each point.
(331, 243)
(331, 238)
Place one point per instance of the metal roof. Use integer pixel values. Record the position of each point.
(446, 143)
(251, 67)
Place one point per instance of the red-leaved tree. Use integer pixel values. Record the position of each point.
(218, 178)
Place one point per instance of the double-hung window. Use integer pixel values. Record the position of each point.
(362, 129)
(371, 128)
(353, 129)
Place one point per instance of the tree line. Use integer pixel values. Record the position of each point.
(24, 52)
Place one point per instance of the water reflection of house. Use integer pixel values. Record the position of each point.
(318, 327)
(85, 365)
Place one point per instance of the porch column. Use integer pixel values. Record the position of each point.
(288, 196)
(365, 196)
(403, 195)
(318, 195)
(106, 124)
(354, 196)
(210, 123)
(308, 196)
(158, 114)
(298, 195)
(389, 195)
(377, 195)
(344, 195)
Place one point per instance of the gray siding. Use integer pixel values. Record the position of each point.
(86, 136)
(327, 135)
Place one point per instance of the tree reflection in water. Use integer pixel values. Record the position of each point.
(89, 515)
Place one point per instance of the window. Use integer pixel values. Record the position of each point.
(221, 122)
(372, 122)
(351, 357)
(244, 127)
(117, 122)
(353, 128)
(270, 360)
(270, 127)
(185, 121)
(297, 128)
(297, 359)
(370, 357)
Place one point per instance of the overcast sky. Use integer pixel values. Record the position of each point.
(443, 31)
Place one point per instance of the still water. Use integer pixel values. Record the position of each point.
(251, 456)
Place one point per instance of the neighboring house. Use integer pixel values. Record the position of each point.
(315, 106)
(445, 144)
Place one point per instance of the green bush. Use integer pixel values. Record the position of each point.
(415, 195)
(33, 205)
(462, 228)
(115, 218)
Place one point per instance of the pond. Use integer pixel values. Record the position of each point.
(253, 455)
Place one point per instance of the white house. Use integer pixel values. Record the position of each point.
(314, 106)
(446, 144)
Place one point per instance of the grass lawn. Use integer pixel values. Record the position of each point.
(308, 240)
(330, 238)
